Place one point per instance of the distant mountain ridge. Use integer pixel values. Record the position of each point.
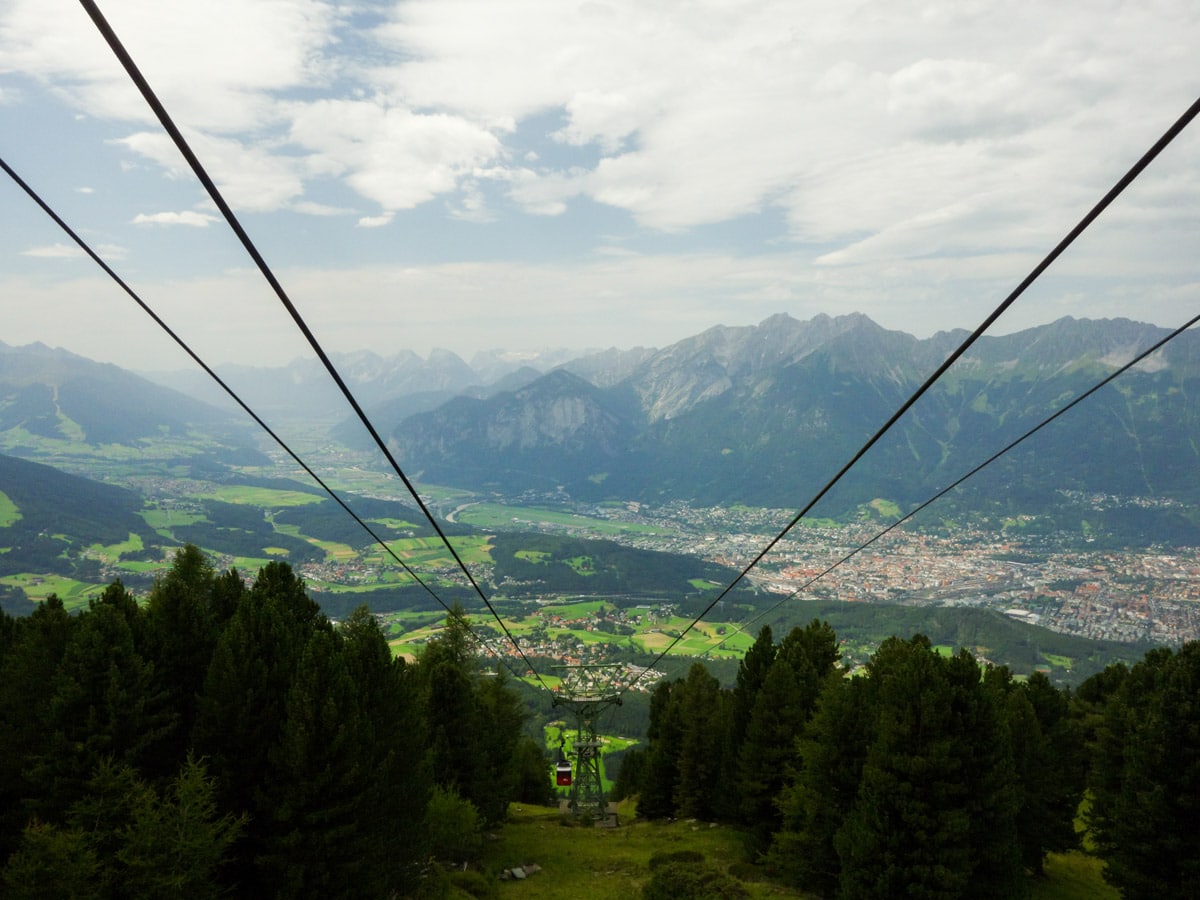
(55, 394)
(762, 415)
(766, 414)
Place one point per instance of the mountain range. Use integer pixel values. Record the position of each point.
(767, 414)
(761, 415)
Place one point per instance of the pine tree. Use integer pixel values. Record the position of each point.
(934, 815)
(1048, 762)
(823, 784)
(182, 629)
(785, 702)
(27, 683)
(698, 752)
(1146, 778)
(241, 711)
(665, 730)
(752, 671)
(105, 704)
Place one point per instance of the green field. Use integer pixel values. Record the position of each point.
(427, 553)
(267, 498)
(603, 863)
(8, 511)
(575, 610)
(614, 863)
(163, 520)
(74, 594)
(112, 552)
(496, 515)
(1063, 662)
(394, 524)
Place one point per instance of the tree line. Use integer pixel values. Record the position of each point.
(927, 775)
(224, 740)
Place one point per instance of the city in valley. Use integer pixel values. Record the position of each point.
(1064, 584)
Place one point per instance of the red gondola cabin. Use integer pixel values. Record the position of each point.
(563, 770)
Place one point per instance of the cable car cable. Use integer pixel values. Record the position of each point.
(1115, 191)
(987, 462)
(83, 245)
(215, 195)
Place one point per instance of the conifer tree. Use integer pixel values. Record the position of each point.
(823, 783)
(785, 702)
(105, 703)
(657, 798)
(700, 740)
(182, 629)
(1048, 762)
(935, 810)
(27, 682)
(752, 671)
(1146, 778)
(242, 708)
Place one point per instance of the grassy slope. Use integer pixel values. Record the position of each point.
(614, 863)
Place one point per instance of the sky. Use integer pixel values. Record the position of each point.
(526, 174)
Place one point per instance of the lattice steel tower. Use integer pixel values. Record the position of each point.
(588, 691)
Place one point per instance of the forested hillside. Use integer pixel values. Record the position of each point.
(47, 511)
(928, 775)
(231, 740)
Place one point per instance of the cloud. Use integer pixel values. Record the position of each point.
(250, 178)
(54, 251)
(308, 208)
(376, 221)
(216, 65)
(882, 155)
(705, 115)
(391, 155)
(187, 217)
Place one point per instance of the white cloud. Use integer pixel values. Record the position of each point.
(215, 64)
(249, 178)
(884, 155)
(187, 217)
(390, 155)
(375, 221)
(54, 251)
(309, 208)
(706, 113)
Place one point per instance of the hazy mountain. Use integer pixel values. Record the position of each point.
(390, 388)
(767, 414)
(52, 394)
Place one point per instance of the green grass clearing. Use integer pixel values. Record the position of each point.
(74, 594)
(603, 863)
(268, 498)
(8, 511)
(1073, 876)
(496, 515)
(575, 610)
(112, 552)
(1063, 662)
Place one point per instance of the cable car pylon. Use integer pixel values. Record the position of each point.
(587, 692)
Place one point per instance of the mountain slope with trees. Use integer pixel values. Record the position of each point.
(762, 414)
(230, 739)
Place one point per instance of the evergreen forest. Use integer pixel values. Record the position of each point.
(224, 738)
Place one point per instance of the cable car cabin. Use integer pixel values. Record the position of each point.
(563, 773)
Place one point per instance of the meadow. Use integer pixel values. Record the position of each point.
(614, 864)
